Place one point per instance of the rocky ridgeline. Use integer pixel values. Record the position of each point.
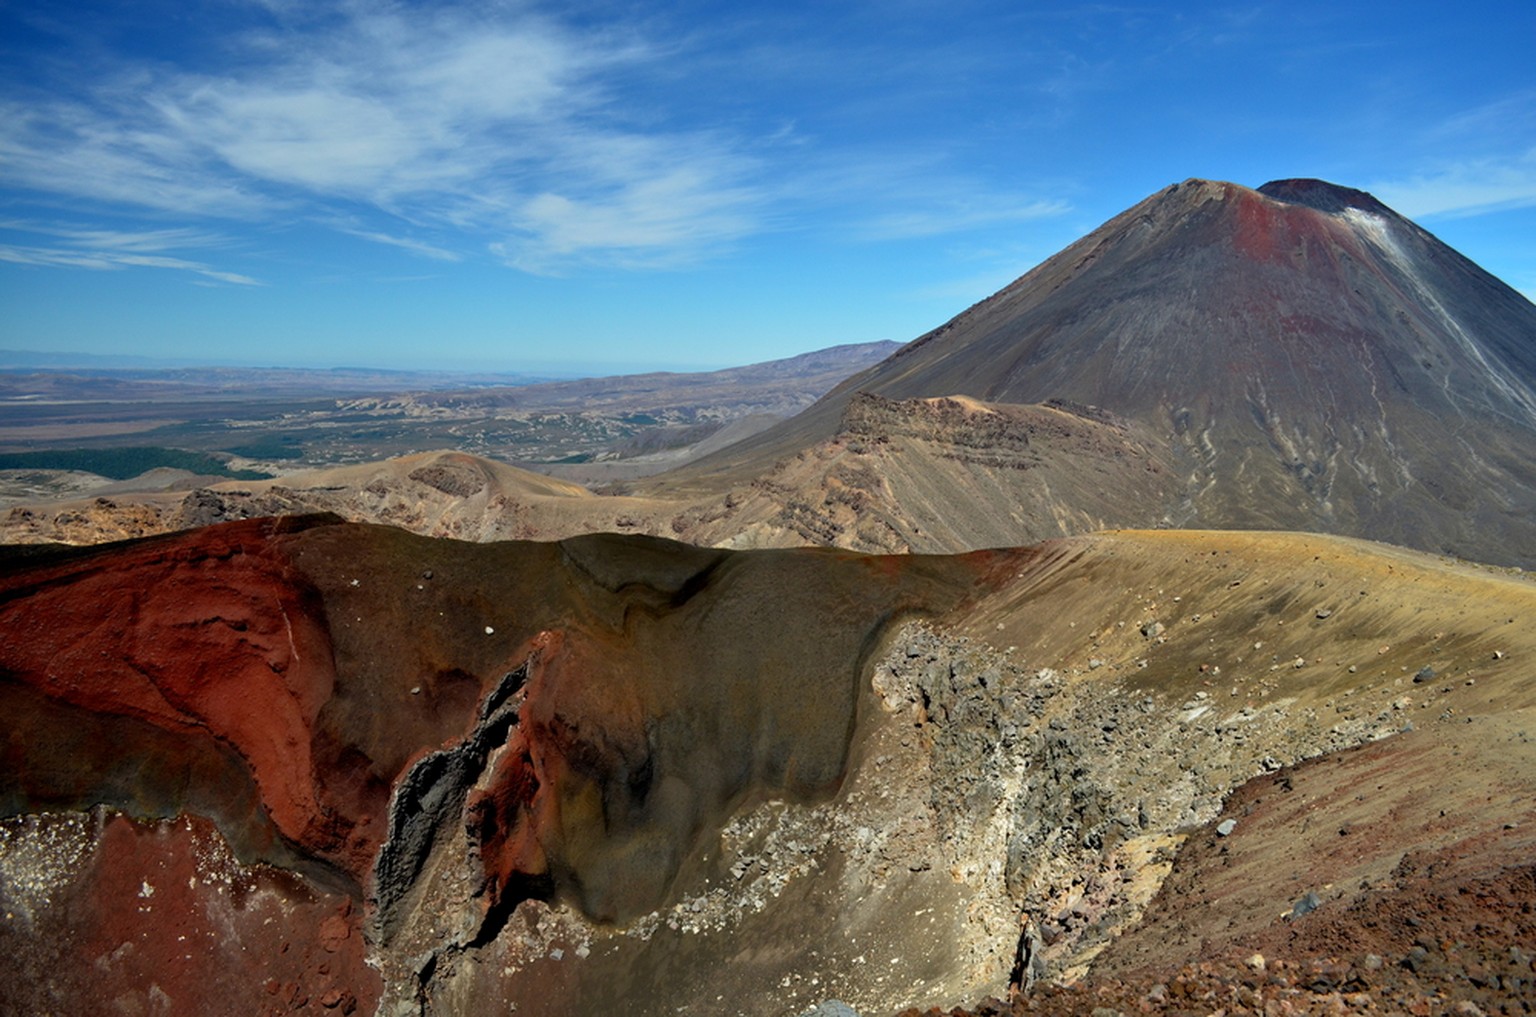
(1003, 436)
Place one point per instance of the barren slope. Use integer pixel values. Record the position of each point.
(626, 775)
(936, 475)
(930, 475)
(443, 494)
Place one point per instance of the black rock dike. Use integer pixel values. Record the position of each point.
(429, 800)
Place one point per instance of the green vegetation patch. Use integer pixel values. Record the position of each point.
(123, 463)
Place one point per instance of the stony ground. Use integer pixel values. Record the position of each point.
(1434, 938)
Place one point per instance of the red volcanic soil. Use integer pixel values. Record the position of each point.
(216, 640)
(160, 918)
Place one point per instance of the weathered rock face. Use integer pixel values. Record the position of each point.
(210, 656)
(933, 475)
(389, 714)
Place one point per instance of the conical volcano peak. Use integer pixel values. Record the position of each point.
(1317, 195)
(1201, 187)
(1189, 194)
(1313, 359)
(1323, 196)
(1281, 212)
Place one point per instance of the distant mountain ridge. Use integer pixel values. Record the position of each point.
(760, 382)
(617, 427)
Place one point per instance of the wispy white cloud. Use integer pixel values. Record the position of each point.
(98, 151)
(103, 260)
(501, 129)
(1469, 187)
(958, 215)
(880, 194)
(1508, 116)
(484, 128)
(420, 247)
(646, 203)
(142, 241)
(1497, 171)
(114, 250)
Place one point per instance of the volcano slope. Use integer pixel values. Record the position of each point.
(305, 765)
(1304, 357)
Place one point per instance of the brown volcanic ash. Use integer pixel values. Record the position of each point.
(1318, 362)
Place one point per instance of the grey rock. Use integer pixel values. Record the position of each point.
(1225, 827)
(831, 1008)
(1310, 902)
(1425, 674)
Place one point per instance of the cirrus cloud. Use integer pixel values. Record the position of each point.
(112, 250)
(501, 132)
(1466, 187)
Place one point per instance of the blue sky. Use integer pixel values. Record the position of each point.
(601, 186)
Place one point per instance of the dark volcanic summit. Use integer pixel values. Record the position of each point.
(1315, 360)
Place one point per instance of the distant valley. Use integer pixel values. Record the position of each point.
(278, 421)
